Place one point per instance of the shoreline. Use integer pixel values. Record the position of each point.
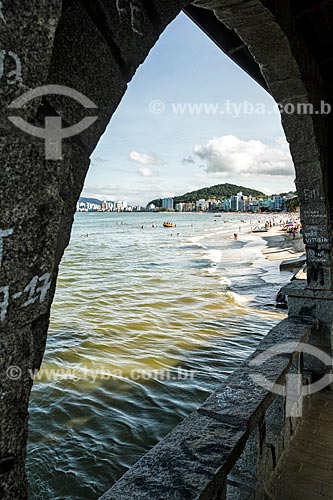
(280, 246)
(288, 252)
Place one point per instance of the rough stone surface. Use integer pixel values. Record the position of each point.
(26, 42)
(305, 468)
(26, 228)
(319, 305)
(95, 48)
(40, 219)
(83, 61)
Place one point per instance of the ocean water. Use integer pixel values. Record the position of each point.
(146, 322)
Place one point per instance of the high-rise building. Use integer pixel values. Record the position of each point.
(227, 205)
(234, 203)
(121, 206)
(201, 205)
(277, 203)
(167, 203)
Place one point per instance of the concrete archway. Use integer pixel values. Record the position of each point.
(95, 48)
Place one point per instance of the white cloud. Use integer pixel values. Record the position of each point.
(136, 192)
(229, 155)
(145, 158)
(147, 172)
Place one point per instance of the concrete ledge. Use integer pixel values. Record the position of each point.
(193, 461)
(292, 264)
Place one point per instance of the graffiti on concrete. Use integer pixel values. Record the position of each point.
(312, 194)
(4, 292)
(131, 10)
(14, 76)
(316, 275)
(313, 214)
(35, 290)
(3, 234)
(2, 17)
(316, 235)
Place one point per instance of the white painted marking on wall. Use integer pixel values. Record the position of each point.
(2, 17)
(31, 289)
(3, 234)
(16, 73)
(2, 59)
(121, 10)
(37, 289)
(4, 303)
(46, 279)
(34, 291)
(135, 12)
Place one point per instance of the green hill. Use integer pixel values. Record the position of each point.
(219, 191)
(96, 201)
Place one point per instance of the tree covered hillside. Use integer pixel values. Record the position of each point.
(219, 191)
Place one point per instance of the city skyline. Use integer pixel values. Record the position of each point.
(234, 203)
(127, 200)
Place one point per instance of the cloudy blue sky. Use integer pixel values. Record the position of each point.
(151, 150)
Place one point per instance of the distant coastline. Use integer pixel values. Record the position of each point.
(221, 198)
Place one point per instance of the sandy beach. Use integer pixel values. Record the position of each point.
(290, 252)
(281, 246)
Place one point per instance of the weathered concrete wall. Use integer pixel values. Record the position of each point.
(318, 304)
(29, 218)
